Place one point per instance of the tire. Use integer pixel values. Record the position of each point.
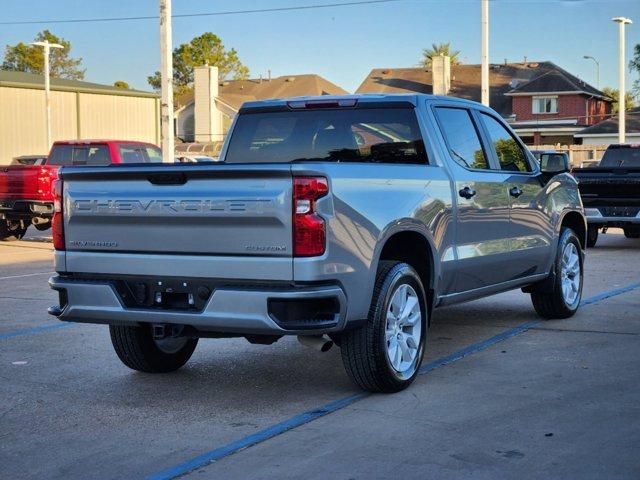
(137, 349)
(553, 302)
(367, 351)
(631, 233)
(592, 237)
(8, 234)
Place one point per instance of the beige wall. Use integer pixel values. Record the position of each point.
(124, 118)
(22, 119)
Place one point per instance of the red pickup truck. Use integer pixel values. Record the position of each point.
(25, 190)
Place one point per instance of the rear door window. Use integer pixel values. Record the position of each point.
(461, 136)
(378, 135)
(508, 151)
(133, 154)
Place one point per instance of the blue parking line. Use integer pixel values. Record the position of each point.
(257, 437)
(610, 293)
(31, 331)
(311, 415)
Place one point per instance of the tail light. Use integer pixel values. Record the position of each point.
(309, 237)
(57, 223)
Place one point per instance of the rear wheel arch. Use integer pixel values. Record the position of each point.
(413, 248)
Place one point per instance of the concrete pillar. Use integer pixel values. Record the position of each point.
(207, 117)
(441, 73)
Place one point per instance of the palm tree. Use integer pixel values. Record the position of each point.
(439, 49)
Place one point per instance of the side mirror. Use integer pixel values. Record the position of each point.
(554, 163)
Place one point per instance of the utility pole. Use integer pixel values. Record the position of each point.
(47, 101)
(485, 53)
(166, 83)
(621, 21)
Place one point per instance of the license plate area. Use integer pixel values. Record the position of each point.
(165, 294)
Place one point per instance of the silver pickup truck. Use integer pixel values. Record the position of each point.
(337, 219)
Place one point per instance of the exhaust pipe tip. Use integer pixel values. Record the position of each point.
(317, 342)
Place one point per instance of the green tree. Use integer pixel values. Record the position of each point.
(29, 58)
(634, 66)
(438, 49)
(121, 84)
(207, 49)
(629, 99)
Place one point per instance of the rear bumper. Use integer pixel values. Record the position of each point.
(595, 218)
(233, 310)
(25, 208)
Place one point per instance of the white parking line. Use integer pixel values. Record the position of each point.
(26, 275)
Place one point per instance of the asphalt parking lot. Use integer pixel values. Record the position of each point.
(502, 394)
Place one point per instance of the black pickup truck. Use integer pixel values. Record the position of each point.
(611, 192)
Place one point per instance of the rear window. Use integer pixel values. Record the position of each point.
(379, 135)
(621, 157)
(79, 155)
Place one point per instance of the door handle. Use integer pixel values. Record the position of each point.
(467, 192)
(515, 192)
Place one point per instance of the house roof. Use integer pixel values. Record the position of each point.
(235, 92)
(556, 80)
(465, 81)
(610, 126)
(9, 78)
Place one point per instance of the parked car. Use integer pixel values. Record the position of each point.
(351, 217)
(25, 186)
(29, 160)
(611, 192)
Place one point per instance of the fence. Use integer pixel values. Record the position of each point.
(579, 155)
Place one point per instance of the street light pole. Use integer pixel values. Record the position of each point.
(484, 69)
(589, 57)
(166, 83)
(621, 21)
(47, 101)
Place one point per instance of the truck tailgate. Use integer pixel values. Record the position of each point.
(27, 182)
(212, 210)
(609, 186)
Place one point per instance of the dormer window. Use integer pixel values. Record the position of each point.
(545, 104)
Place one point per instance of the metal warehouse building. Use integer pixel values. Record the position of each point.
(78, 110)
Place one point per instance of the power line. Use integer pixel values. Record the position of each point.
(205, 14)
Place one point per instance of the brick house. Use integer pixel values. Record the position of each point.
(544, 103)
(554, 106)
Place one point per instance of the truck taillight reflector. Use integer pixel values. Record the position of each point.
(57, 223)
(309, 237)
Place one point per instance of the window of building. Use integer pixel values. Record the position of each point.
(545, 104)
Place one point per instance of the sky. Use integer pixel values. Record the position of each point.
(341, 44)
